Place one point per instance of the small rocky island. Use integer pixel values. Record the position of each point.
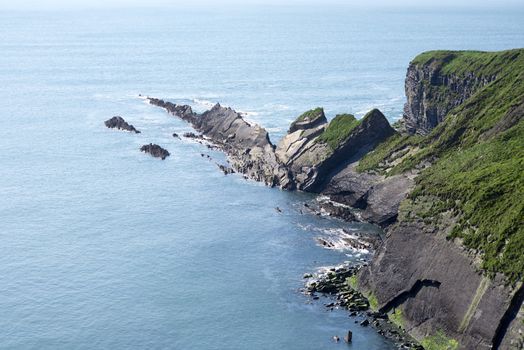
(155, 151)
(119, 123)
(445, 184)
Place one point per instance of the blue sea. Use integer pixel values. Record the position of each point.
(104, 247)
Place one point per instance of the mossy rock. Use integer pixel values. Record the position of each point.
(310, 119)
(339, 130)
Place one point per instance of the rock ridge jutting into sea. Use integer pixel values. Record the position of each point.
(450, 268)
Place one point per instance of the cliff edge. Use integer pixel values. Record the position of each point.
(451, 267)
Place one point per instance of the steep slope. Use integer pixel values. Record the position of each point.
(438, 81)
(453, 263)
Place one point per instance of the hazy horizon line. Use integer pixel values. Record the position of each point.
(56, 5)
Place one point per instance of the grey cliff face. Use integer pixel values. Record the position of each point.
(313, 162)
(436, 285)
(431, 94)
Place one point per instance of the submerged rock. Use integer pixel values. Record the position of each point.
(118, 122)
(155, 151)
(349, 337)
(191, 135)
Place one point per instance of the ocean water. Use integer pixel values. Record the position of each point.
(103, 247)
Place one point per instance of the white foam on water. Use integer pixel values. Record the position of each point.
(205, 103)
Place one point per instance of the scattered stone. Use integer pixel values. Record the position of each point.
(155, 151)
(175, 135)
(191, 135)
(364, 323)
(336, 338)
(118, 122)
(338, 211)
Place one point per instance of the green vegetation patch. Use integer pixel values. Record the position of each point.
(394, 145)
(464, 62)
(373, 301)
(439, 341)
(338, 130)
(353, 282)
(311, 114)
(397, 317)
(479, 174)
(484, 187)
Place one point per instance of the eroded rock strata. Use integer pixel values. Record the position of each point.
(446, 187)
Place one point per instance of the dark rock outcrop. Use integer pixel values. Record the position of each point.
(118, 122)
(248, 147)
(378, 197)
(155, 150)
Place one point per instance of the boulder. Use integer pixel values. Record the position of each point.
(118, 122)
(155, 151)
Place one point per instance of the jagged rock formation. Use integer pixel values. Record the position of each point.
(314, 150)
(155, 150)
(248, 147)
(118, 122)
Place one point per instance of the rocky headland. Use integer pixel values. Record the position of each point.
(446, 184)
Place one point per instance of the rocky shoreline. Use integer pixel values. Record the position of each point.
(428, 274)
(337, 283)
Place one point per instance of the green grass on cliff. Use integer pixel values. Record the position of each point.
(477, 154)
(338, 130)
(377, 160)
(439, 341)
(484, 64)
(310, 115)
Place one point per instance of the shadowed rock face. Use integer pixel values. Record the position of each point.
(378, 197)
(431, 94)
(155, 150)
(436, 285)
(119, 123)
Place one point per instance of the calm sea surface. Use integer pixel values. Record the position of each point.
(103, 247)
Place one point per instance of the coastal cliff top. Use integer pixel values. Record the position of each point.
(477, 159)
(479, 63)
